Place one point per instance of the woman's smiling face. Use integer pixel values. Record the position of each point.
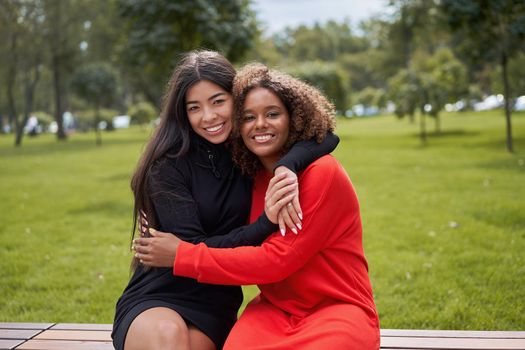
(210, 109)
(265, 123)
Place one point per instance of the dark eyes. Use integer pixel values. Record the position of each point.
(247, 118)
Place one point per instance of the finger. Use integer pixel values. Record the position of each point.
(281, 193)
(141, 249)
(288, 220)
(278, 185)
(290, 209)
(297, 206)
(282, 225)
(143, 241)
(276, 178)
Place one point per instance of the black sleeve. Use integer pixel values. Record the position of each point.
(177, 212)
(304, 153)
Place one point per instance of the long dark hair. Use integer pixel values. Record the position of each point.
(172, 136)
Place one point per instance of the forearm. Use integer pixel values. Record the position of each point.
(241, 266)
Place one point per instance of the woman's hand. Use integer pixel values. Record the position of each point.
(159, 250)
(282, 189)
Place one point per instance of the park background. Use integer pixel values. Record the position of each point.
(429, 115)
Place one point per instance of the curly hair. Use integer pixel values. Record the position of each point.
(312, 115)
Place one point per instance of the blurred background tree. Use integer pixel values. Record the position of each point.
(421, 56)
(97, 84)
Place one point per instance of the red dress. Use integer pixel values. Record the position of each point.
(315, 289)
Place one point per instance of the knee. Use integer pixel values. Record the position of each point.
(172, 332)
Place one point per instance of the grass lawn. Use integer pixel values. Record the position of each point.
(444, 224)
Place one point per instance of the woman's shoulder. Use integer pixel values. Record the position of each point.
(323, 171)
(326, 163)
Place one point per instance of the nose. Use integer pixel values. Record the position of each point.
(260, 122)
(209, 114)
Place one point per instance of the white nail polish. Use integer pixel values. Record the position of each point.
(294, 230)
(282, 232)
(299, 226)
(300, 216)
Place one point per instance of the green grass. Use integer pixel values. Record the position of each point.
(444, 224)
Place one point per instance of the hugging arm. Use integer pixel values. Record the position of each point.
(177, 212)
(277, 258)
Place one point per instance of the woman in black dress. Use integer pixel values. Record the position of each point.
(186, 183)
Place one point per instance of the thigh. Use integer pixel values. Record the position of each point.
(157, 328)
(338, 326)
(199, 340)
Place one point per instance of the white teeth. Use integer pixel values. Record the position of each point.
(214, 128)
(262, 138)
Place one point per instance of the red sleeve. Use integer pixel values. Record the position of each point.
(322, 186)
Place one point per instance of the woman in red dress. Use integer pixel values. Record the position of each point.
(315, 288)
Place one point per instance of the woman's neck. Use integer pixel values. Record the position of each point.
(268, 163)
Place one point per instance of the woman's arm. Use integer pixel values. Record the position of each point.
(304, 153)
(177, 212)
(324, 188)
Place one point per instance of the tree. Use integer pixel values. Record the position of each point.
(142, 113)
(326, 77)
(23, 21)
(493, 31)
(64, 20)
(97, 84)
(158, 31)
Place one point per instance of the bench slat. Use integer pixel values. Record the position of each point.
(452, 334)
(65, 345)
(452, 343)
(83, 326)
(22, 325)
(23, 334)
(10, 343)
(75, 335)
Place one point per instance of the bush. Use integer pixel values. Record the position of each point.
(142, 113)
(327, 78)
(85, 120)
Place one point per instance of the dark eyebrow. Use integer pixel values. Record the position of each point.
(209, 99)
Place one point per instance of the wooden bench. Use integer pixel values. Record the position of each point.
(75, 336)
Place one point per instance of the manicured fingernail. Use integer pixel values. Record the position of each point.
(136, 255)
(294, 230)
(299, 226)
(151, 230)
(282, 231)
(300, 216)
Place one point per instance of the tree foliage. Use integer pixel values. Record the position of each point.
(493, 32)
(326, 77)
(97, 84)
(158, 31)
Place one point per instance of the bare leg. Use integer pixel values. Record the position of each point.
(158, 328)
(199, 340)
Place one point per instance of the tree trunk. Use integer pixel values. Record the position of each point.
(59, 109)
(437, 124)
(56, 42)
(506, 92)
(29, 87)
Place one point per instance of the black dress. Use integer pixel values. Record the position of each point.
(202, 197)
